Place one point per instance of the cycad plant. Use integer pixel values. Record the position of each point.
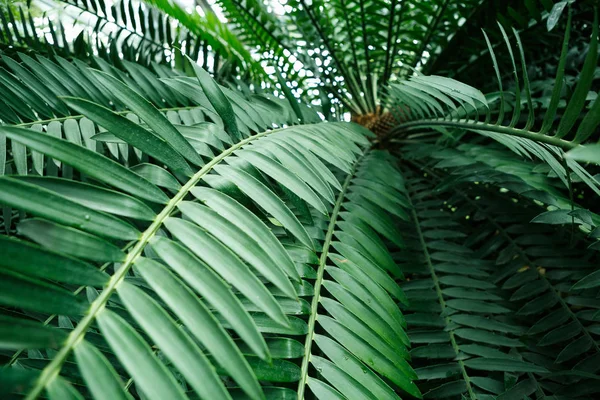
(168, 234)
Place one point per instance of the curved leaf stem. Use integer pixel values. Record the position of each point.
(472, 125)
(52, 370)
(441, 300)
(351, 36)
(319, 280)
(395, 46)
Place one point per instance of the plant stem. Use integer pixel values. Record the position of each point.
(319, 280)
(388, 48)
(370, 98)
(480, 126)
(331, 50)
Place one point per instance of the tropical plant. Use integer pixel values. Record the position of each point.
(172, 234)
(156, 250)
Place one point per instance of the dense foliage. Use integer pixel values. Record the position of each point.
(186, 213)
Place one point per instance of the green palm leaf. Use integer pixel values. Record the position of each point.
(207, 287)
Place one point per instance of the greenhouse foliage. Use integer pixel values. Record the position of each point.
(299, 200)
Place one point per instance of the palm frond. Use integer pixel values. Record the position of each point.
(184, 233)
(137, 31)
(356, 293)
(262, 30)
(192, 252)
(446, 102)
(529, 18)
(500, 320)
(352, 48)
(425, 102)
(456, 307)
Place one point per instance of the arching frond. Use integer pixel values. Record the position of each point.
(177, 250)
(139, 32)
(491, 296)
(356, 293)
(446, 102)
(184, 233)
(425, 102)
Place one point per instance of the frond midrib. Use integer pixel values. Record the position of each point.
(482, 126)
(319, 280)
(549, 284)
(440, 296)
(52, 370)
(526, 258)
